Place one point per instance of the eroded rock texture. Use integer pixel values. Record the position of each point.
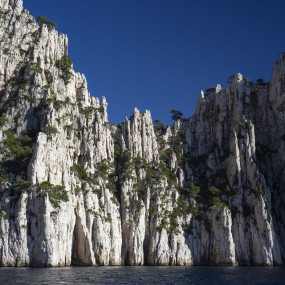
(77, 190)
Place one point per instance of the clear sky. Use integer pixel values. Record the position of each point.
(159, 54)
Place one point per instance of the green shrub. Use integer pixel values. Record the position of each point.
(22, 185)
(165, 156)
(158, 127)
(53, 214)
(152, 175)
(126, 158)
(98, 192)
(232, 77)
(49, 130)
(218, 204)
(87, 111)
(111, 186)
(117, 150)
(161, 143)
(81, 173)
(163, 225)
(215, 191)
(17, 146)
(35, 37)
(4, 215)
(115, 201)
(101, 109)
(103, 168)
(139, 163)
(228, 190)
(3, 13)
(210, 90)
(28, 98)
(6, 51)
(173, 225)
(168, 174)
(68, 129)
(260, 82)
(4, 178)
(188, 229)
(17, 150)
(192, 192)
(176, 147)
(77, 190)
(152, 211)
(19, 84)
(137, 203)
(51, 90)
(38, 70)
(56, 193)
(261, 191)
(90, 211)
(107, 219)
(57, 104)
(65, 65)
(3, 121)
(242, 124)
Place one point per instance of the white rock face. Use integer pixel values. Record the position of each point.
(77, 190)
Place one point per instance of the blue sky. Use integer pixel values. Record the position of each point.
(159, 54)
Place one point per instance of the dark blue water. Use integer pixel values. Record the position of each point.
(143, 275)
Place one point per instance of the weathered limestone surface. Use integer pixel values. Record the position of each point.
(77, 190)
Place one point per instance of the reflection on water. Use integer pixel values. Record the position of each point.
(144, 275)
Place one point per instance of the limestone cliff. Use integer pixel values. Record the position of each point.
(77, 190)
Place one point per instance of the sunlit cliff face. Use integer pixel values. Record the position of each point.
(77, 190)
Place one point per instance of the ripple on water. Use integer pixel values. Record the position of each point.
(143, 275)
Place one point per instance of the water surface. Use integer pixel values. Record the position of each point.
(143, 275)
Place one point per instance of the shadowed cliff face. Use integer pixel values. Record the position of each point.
(77, 190)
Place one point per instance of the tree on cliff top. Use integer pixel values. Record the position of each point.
(41, 20)
(176, 115)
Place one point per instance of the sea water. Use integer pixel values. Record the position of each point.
(144, 275)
